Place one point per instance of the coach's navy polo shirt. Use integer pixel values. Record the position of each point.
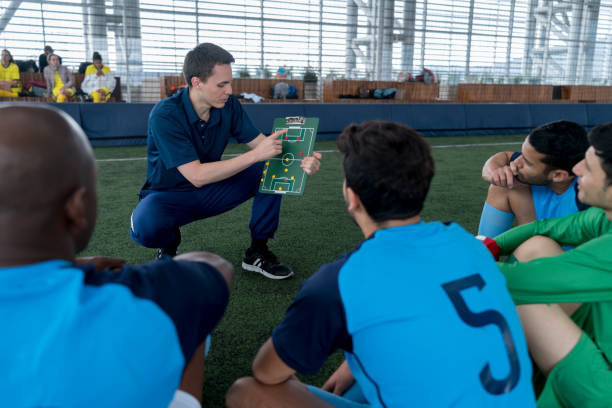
(177, 136)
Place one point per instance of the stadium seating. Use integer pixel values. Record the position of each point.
(78, 79)
(478, 93)
(257, 86)
(406, 91)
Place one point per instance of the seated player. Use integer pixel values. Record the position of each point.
(420, 309)
(99, 82)
(186, 178)
(10, 84)
(89, 333)
(536, 183)
(565, 298)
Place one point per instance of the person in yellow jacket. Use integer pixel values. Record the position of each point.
(99, 82)
(9, 76)
(60, 82)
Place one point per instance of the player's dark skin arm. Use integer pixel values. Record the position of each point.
(193, 375)
(268, 368)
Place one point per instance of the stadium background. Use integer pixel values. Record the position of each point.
(497, 42)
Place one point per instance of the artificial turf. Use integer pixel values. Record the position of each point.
(314, 230)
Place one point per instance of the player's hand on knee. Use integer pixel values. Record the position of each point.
(340, 381)
(311, 164)
(491, 245)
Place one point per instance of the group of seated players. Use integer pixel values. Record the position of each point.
(423, 313)
(98, 81)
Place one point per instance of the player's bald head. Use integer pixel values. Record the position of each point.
(44, 155)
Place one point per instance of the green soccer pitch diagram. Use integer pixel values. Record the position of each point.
(282, 174)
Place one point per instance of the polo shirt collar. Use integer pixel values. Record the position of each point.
(215, 114)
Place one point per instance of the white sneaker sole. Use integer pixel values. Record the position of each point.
(253, 268)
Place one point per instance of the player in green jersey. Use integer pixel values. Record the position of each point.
(564, 299)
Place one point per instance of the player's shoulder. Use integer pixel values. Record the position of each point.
(325, 280)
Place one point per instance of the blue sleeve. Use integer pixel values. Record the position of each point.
(193, 294)
(171, 139)
(243, 129)
(515, 156)
(315, 323)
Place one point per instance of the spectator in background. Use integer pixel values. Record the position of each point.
(59, 80)
(98, 82)
(43, 58)
(9, 76)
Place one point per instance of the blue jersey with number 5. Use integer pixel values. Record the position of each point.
(424, 317)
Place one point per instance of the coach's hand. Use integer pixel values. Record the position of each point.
(270, 146)
(340, 381)
(311, 164)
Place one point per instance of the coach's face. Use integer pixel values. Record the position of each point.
(592, 186)
(531, 168)
(218, 87)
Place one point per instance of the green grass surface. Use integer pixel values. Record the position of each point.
(314, 230)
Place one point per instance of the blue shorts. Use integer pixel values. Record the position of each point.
(352, 398)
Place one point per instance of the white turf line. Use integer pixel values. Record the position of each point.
(335, 151)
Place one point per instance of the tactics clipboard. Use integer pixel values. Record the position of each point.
(282, 174)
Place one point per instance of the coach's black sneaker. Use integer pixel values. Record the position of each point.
(265, 262)
(170, 250)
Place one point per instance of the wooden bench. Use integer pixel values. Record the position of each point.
(406, 91)
(257, 86)
(39, 77)
(586, 94)
(475, 93)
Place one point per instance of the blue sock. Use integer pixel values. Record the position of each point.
(493, 221)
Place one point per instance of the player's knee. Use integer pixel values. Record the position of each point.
(498, 197)
(240, 391)
(537, 247)
(225, 268)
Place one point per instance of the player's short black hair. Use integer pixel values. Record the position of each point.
(201, 61)
(389, 166)
(96, 56)
(563, 143)
(600, 138)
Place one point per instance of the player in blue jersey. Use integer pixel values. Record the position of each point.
(186, 178)
(89, 332)
(420, 309)
(536, 183)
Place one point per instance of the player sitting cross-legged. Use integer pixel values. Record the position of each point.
(90, 332)
(420, 309)
(186, 178)
(536, 183)
(565, 298)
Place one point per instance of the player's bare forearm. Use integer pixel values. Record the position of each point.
(498, 160)
(268, 368)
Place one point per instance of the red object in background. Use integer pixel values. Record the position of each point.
(491, 246)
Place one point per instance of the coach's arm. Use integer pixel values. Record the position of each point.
(262, 148)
